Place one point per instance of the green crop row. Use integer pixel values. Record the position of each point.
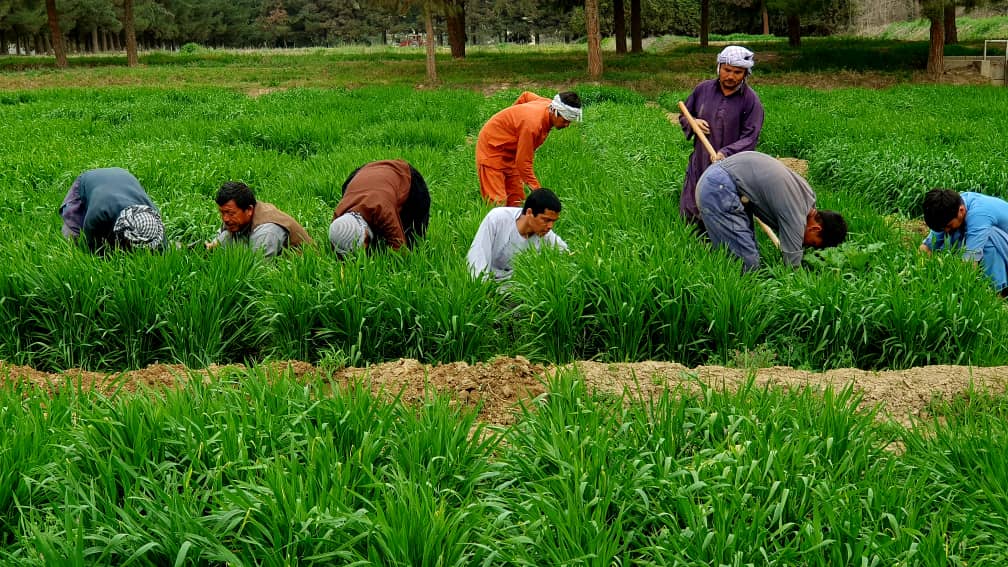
(637, 286)
(257, 468)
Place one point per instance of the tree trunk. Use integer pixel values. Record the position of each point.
(936, 52)
(594, 39)
(429, 44)
(94, 39)
(131, 43)
(794, 30)
(951, 33)
(636, 44)
(704, 22)
(59, 48)
(766, 17)
(455, 21)
(619, 25)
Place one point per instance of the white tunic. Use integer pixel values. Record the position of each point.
(498, 240)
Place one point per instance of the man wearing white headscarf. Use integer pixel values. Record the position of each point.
(110, 208)
(507, 143)
(384, 202)
(728, 112)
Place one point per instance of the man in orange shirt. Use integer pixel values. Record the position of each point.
(507, 143)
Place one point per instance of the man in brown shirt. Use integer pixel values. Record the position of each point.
(383, 201)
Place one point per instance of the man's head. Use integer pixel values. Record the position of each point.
(236, 203)
(139, 226)
(824, 229)
(944, 210)
(565, 108)
(348, 232)
(540, 211)
(734, 64)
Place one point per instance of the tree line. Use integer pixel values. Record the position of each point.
(91, 26)
(58, 26)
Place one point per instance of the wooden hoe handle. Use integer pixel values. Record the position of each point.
(710, 149)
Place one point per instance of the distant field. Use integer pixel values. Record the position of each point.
(968, 29)
(667, 63)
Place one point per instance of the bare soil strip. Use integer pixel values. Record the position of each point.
(500, 385)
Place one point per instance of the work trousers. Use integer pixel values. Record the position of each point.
(727, 221)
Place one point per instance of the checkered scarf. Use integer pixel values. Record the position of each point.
(141, 226)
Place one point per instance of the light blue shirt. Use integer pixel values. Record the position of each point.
(983, 213)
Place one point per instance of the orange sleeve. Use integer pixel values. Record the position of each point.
(524, 155)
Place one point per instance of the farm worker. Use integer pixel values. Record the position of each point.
(506, 231)
(384, 201)
(734, 189)
(730, 115)
(112, 210)
(507, 143)
(258, 224)
(977, 224)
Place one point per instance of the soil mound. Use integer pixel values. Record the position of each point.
(498, 387)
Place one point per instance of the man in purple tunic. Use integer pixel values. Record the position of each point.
(729, 113)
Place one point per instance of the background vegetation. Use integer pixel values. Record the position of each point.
(96, 25)
(257, 468)
(639, 286)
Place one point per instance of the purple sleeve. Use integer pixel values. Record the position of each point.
(749, 126)
(72, 210)
(690, 102)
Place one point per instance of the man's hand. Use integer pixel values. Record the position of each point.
(718, 157)
(703, 125)
(211, 244)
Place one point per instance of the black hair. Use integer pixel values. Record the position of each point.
(570, 98)
(834, 228)
(415, 213)
(940, 206)
(541, 199)
(238, 192)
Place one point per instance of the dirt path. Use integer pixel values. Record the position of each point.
(903, 395)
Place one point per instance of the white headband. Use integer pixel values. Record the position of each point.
(570, 113)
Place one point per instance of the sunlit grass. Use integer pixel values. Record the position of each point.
(638, 285)
(254, 466)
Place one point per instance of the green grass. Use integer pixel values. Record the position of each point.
(967, 28)
(253, 468)
(639, 286)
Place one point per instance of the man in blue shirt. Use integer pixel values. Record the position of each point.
(976, 223)
(110, 209)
